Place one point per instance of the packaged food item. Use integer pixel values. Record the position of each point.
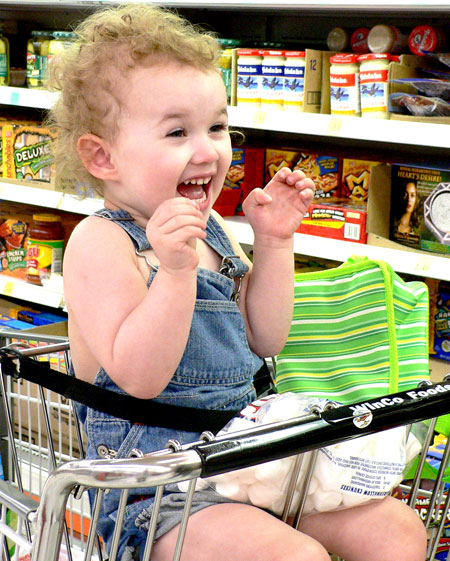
(442, 322)
(4, 60)
(13, 231)
(61, 40)
(272, 79)
(358, 40)
(230, 196)
(420, 105)
(294, 80)
(44, 246)
(429, 87)
(226, 63)
(374, 85)
(27, 152)
(338, 39)
(37, 58)
(356, 178)
(322, 169)
(425, 39)
(387, 39)
(344, 85)
(419, 218)
(336, 220)
(249, 72)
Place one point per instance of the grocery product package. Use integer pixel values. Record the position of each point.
(344, 475)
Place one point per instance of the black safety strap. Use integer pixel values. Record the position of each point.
(124, 406)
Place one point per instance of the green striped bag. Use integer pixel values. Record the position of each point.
(358, 331)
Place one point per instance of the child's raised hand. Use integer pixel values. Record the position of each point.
(173, 231)
(277, 210)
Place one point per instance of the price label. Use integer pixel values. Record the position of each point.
(8, 288)
(422, 265)
(334, 125)
(14, 99)
(260, 117)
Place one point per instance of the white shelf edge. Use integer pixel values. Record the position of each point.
(313, 124)
(402, 261)
(17, 288)
(356, 128)
(15, 192)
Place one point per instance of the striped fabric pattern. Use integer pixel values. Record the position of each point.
(358, 331)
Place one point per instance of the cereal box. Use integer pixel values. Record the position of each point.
(420, 215)
(356, 179)
(27, 152)
(322, 169)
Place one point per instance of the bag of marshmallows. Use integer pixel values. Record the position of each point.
(345, 474)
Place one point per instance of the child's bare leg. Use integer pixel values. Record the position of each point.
(238, 532)
(382, 530)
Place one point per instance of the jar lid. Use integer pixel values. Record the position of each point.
(344, 59)
(41, 33)
(374, 56)
(64, 35)
(381, 38)
(423, 38)
(337, 39)
(44, 217)
(358, 40)
(295, 54)
(271, 53)
(229, 43)
(249, 52)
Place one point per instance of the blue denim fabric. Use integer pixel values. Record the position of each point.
(216, 372)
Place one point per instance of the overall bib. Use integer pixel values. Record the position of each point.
(215, 372)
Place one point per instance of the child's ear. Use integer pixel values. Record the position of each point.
(95, 154)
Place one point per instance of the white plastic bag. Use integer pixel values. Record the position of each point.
(346, 474)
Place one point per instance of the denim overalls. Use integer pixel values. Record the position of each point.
(215, 372)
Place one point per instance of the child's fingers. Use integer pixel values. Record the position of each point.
(258, 197)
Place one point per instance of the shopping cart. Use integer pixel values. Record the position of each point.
(43, 522)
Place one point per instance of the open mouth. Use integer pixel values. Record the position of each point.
(195, 189)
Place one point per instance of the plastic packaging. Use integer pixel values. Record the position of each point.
(426, 39)
(344, 475)
(358, 40)
(45, 243)
(344, 85)
(294, 80)
(37, 58)
(387, 39)
(4, 60)
(249, 77)
(272, 80)
(338, 39)
(420, 105)
(427, 86)
(373, 84)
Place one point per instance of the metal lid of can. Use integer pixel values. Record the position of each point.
(344, 59)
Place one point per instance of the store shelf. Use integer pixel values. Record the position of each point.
(341, 5)
(24, 97)
(402, 261)
(357, 128)
(51, 296)
(313, 124)
(48, 198)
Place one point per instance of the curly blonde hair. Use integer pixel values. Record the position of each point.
(109, 44)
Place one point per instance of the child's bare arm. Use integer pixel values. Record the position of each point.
(274, 214)
(137, 334)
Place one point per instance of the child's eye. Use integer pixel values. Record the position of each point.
(219, 127)
(176, 133)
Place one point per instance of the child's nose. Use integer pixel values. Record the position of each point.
(204, 150)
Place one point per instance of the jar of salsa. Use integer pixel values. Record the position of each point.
(45, 244)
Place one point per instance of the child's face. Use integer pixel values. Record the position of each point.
(173, 139)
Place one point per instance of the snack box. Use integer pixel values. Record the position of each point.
(13, 232)
(337, 220)
(245, 173)
(27, 152)
(11, 323)
(356, 178)
(36, 317)
(322, 169)
(442, 322)
(420, 199)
